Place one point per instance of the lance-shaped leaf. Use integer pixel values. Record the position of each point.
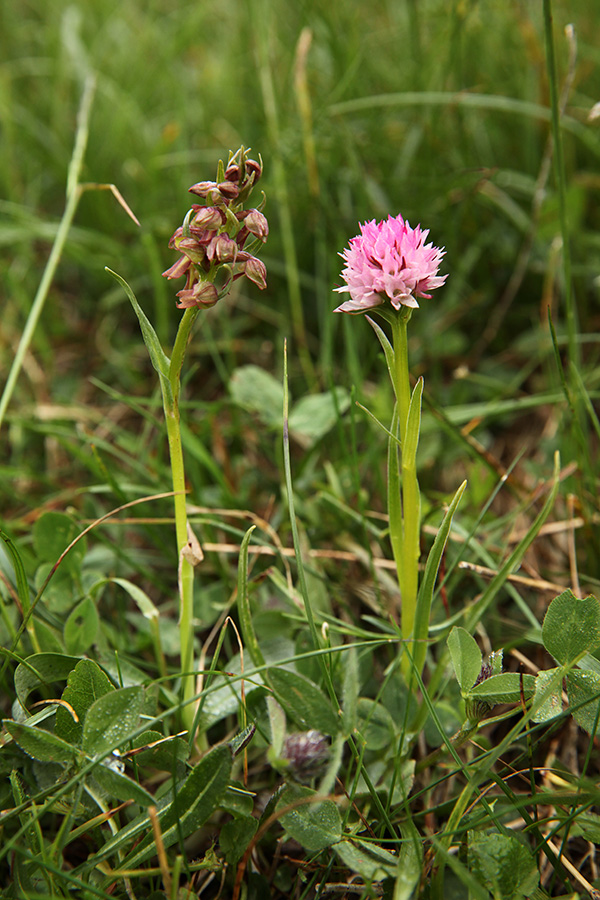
(158, 357)
(466, 657)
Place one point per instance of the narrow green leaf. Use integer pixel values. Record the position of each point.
(303, 701)
(350, 691)
(466, 657)
(20, 575)
(119, 785)
(413, 426)
(571, 627)
(243, 602)
(158, 357)
(410, 862)
(386, 346)
(369, 860)
(198, 798)
(40, 744)
(505, 688)
(112, 719)
(427, 587)
(314, 823)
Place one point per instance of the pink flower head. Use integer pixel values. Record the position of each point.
(389, 260)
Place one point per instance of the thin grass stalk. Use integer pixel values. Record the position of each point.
(561, 183)
(73, 193)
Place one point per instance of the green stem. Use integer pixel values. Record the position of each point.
(186, 571)
(408, 567)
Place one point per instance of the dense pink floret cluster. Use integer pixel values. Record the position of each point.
(389, 260)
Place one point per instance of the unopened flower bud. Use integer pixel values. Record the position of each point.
(256, 271)
(306, 753)
(222, 249)
(232, 173)
(209, 218)
(203, 294)
(257, 224)
(253, 168)
(228, 189)
(178, 268)
(202, 188)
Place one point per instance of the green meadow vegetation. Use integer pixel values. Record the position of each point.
(259, 716)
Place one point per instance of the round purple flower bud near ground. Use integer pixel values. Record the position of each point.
(389, 262)
(306, 753)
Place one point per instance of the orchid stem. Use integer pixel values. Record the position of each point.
(186, 571)
(409, 545)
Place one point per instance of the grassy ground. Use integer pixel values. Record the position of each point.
(440, 111)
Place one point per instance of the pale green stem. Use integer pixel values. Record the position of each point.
(408, 567)
(186, 609)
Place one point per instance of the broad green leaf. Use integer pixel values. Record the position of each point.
(165, 753)
(583, 691)
(503, 864)
(81, 627)
(158, 357)
(466, 657)
(548, 694)
(235, 836)
(587, 826)
(257, 391)
(314, 823)
(370, 861)
(40, 744)
(52, 534)
(316, 414)
(375, 724)
(303, 701)
(41, 669)
(86, 683)
(119, 785)
(505, 688)
(197, 799)
(112, 719)
(571, 627)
